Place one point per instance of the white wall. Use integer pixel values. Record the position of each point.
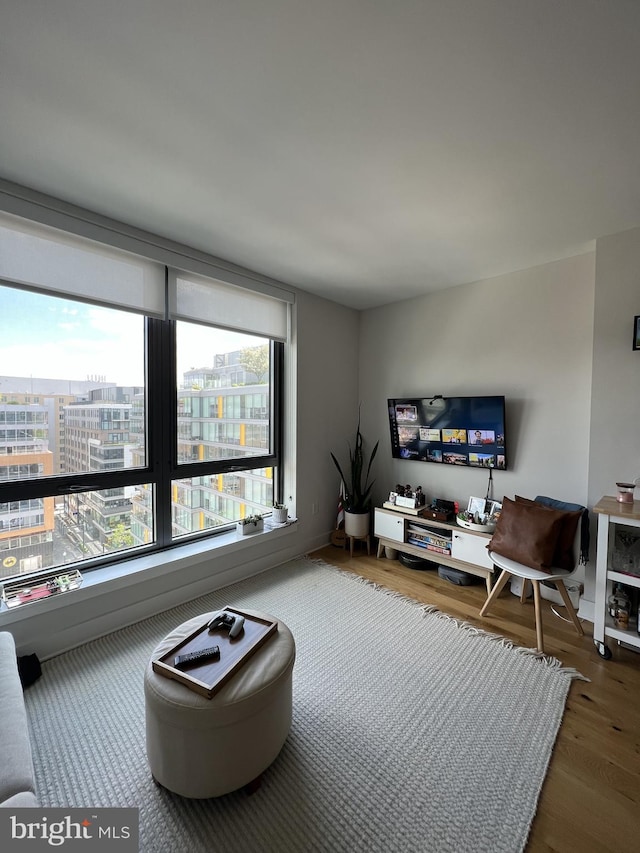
(327, 355)
(528, 336)
(615, 404)
(615, 397)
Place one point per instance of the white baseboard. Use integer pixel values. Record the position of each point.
(587, 609)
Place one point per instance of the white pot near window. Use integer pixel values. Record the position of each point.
(280, 514)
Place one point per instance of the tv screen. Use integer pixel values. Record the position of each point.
(449, 430)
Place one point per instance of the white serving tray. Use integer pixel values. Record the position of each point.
(481, 528)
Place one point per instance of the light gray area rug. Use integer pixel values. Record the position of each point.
(411, 731)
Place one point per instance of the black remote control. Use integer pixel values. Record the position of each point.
(192, 657)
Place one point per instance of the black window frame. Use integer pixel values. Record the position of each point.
(161, 426)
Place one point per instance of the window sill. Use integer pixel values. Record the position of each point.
(132, 572)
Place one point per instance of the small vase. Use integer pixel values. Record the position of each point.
(279, 515)
(250, 527)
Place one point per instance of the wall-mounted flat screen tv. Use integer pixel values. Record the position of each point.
(449, 430)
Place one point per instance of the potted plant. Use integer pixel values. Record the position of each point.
(280, 513)
(250, 524)
(357, 488)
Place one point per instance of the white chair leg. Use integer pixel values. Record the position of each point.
(495, 592)
(538, 609)
(567, 603)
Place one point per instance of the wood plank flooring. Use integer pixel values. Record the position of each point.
(590, 801)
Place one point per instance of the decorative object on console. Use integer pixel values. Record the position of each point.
(357, 488)
(480, 514)
(625, 492)
(441, 510)
(406, 497)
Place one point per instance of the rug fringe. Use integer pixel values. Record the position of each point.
(547, 660)
(433, 610)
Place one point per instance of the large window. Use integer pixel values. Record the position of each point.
(140, 406)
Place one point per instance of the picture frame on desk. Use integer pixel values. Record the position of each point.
(478, 505)
(494, 509)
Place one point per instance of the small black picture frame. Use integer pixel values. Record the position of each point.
(636, 332)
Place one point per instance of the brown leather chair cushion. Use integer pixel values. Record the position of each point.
(564, 555)
(527, 533)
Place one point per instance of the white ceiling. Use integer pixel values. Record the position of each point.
(364, 150)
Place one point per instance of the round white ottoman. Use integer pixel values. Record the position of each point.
(200, 747)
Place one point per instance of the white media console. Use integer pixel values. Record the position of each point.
(444, 543)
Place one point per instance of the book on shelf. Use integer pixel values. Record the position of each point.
(425, 535)
(434, 542)
(420, 543)
(433, 530)
(435, 548)
(407, 510)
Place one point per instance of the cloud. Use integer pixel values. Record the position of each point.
(76, 358)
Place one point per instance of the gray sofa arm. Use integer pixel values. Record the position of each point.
(17, 777)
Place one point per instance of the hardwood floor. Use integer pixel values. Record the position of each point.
(591, 797)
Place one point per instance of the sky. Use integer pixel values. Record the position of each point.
(51, 338)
